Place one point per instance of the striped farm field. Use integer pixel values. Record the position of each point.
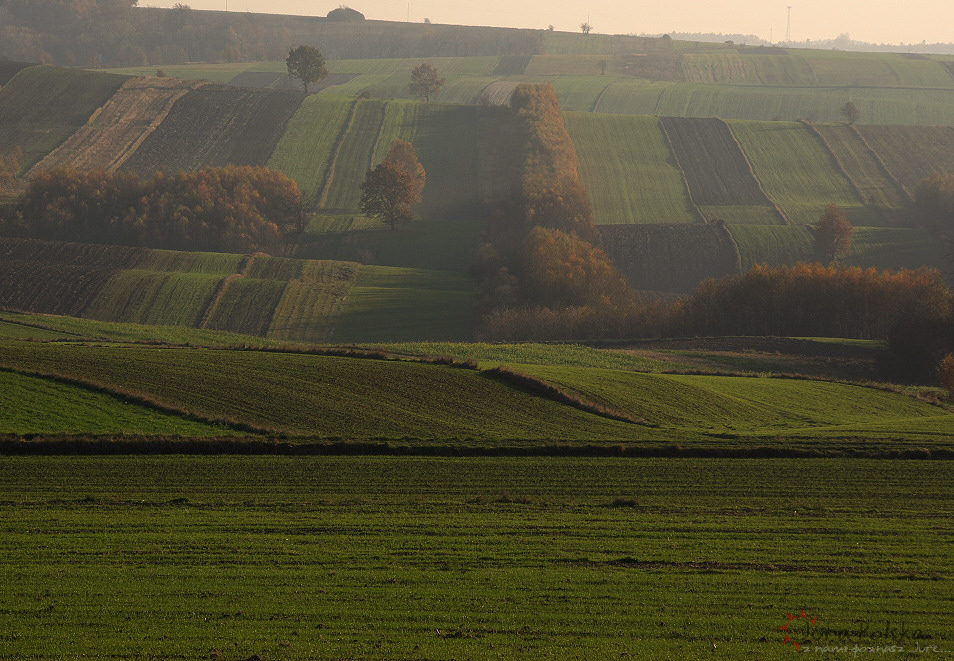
(581, 93)
(311, 303)
(246, 306)
(146, 297)
(120, 126)
(912, 153)
(388, 304)
(876, 184)
(32, 405)
(619, 155)
(798, 172)
(42, 106)
(354, 158)
(213, 263)
(773, 245)
(222, 125)
(718, 175)
(306, 149)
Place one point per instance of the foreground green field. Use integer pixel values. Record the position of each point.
(402, 558)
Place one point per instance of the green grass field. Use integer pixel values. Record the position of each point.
(384, 558)
(628, 169)
(145, 297)
(797, 172)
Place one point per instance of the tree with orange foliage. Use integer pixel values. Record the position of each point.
(403, 156)
(833, 234)
(563, 269)
(387, 194)
(425, 82)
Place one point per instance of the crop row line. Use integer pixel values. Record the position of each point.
(748, 163)
(897, 182)
(330, 172)
(682, 173)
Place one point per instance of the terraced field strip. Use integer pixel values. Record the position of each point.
(581, 93)
(468, 558)
(42, 106)
(627, 167)
(247, 306)
(773, 245)
(716, 168)
(216, 73)
(217, 263)
(32, 405)
(323, 396)
(394, 304)
(353, 157)
(912, 153)
(670, 258)
(222, 125)
(400, 123)
(875, 184)
(718, 68)
(798, 172)
(146, 297)
(311, 303)
(845, 69)
(782, 68)
(308, 147)
(510, 65)
(117, 129)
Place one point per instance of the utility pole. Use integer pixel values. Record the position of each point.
(788, 26)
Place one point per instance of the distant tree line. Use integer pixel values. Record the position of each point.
(230, 209)
(93, 33)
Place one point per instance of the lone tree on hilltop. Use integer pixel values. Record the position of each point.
(586, 27)
(850, 112)
(392, 189)
(307, 64)
(425, 82)
(833, 234)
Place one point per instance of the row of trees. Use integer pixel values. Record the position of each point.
(541, 240)
(230, 209)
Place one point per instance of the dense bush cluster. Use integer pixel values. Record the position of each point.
(230, 209)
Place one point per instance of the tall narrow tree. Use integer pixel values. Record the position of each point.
(833, 234)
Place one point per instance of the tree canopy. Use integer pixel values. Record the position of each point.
(833, 234)
(425, 82)
(307, 64)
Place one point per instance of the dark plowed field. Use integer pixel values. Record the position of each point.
(670, 258)
(715, 167)
(511, 65)
(58, 278)
(217, 125)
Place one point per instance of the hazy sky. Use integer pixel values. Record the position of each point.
(878, 21)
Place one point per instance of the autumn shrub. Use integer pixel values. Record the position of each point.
(230, 209)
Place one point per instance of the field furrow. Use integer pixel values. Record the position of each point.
(247, 306)
(354, 158)
(913, 153)
(145, 297)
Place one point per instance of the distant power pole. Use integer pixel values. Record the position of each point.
(788, 26)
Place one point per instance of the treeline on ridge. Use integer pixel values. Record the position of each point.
(231, 209)
(93, 33)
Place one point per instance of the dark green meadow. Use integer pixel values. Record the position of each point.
(430, 558)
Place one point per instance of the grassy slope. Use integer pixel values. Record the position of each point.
(42, 106)
(324, 396)
(146, 297)
(626, 165)
(391, 304)
(913, 153)
(30, 405)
